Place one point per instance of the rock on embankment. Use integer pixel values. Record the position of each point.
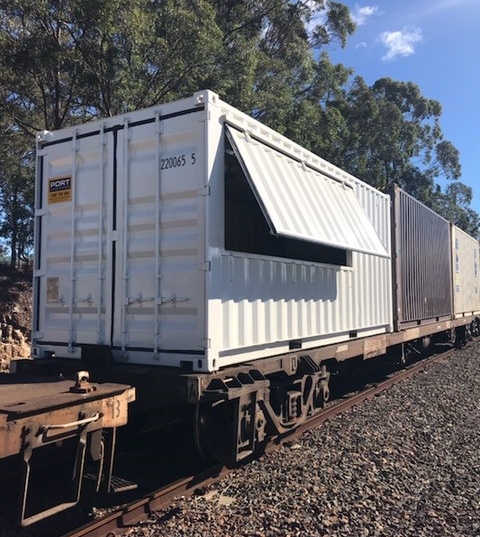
(13, 345)
(15, 316)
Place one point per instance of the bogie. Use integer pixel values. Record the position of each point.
(234, 423)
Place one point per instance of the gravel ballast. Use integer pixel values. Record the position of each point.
(404, 464)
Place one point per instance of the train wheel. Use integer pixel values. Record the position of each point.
(215, 430)
(321, 394)
(475, 328)
(198, 430)
(453, 336)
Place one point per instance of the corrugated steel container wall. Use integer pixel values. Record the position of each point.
(260, 305)
(118, 251)
(130, 249)
(422, 264)
(302, 203)
(374, 275)
(465, 259)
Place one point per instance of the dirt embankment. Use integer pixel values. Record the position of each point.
(15, 315)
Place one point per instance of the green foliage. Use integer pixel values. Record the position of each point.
(392, 130)
(40, 66)
(454, 205)
(16, 194)
(268, 66)
(64, 62)
(390, 133)
(139, 53)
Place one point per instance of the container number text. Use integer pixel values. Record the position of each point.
(178, 161)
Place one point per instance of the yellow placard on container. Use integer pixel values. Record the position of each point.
(60, 189)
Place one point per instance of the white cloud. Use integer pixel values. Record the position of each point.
(361, 14)
(400, 43)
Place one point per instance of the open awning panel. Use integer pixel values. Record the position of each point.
(302, 203)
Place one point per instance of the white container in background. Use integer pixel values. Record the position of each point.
(465, 266)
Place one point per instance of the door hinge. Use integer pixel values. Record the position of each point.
(207, 266)
(206, 343)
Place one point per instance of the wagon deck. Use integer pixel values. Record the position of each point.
(66, 421)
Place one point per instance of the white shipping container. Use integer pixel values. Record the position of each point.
(465, 259)
(190, 235)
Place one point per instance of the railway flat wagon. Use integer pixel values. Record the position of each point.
(191, 236)
(465, 277)
(225, 271)
(422, 280)
(52, 432)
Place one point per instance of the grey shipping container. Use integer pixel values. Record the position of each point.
(422, 263)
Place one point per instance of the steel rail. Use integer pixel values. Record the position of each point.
(368, 393)
(139, 510)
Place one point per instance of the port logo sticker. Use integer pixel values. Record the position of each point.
(60, 189)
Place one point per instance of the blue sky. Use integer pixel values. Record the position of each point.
(435, 44)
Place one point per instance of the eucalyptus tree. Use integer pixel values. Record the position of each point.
(138, 53)
(454, 203)
(394, 136)
(39, 67)
(16, 192)
(63, 61)
(271, 65)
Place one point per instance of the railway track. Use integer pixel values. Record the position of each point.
(137, 511)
